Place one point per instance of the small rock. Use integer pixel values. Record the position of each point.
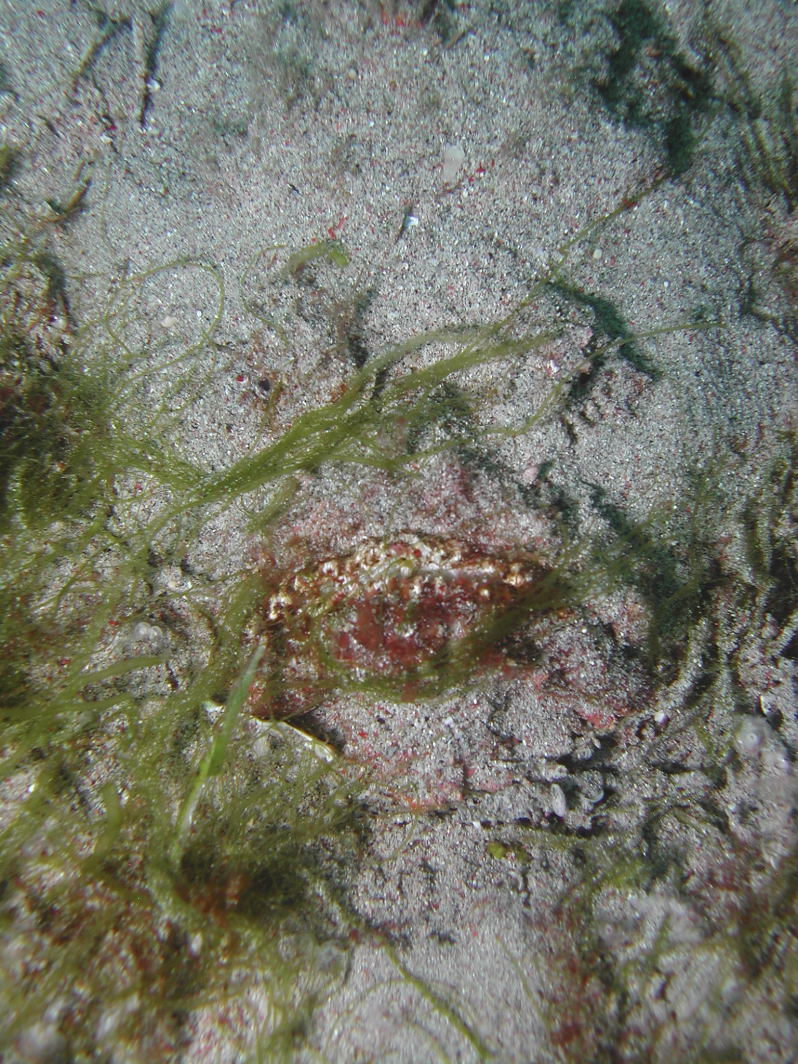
(453, 159)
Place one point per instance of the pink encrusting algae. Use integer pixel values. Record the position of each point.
(408, 616)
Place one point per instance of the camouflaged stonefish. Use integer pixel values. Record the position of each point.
(404, 618)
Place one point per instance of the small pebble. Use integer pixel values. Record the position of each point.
(557, 796)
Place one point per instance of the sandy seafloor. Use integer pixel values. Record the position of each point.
(452, 158)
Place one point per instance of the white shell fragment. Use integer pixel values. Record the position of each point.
(453, 159)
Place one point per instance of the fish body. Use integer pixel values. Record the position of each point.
(407, 616)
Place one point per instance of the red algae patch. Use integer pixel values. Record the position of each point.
(406, 617)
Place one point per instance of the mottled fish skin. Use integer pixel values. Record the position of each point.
(411, 613)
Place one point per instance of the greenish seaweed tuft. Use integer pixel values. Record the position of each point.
(8, 164)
